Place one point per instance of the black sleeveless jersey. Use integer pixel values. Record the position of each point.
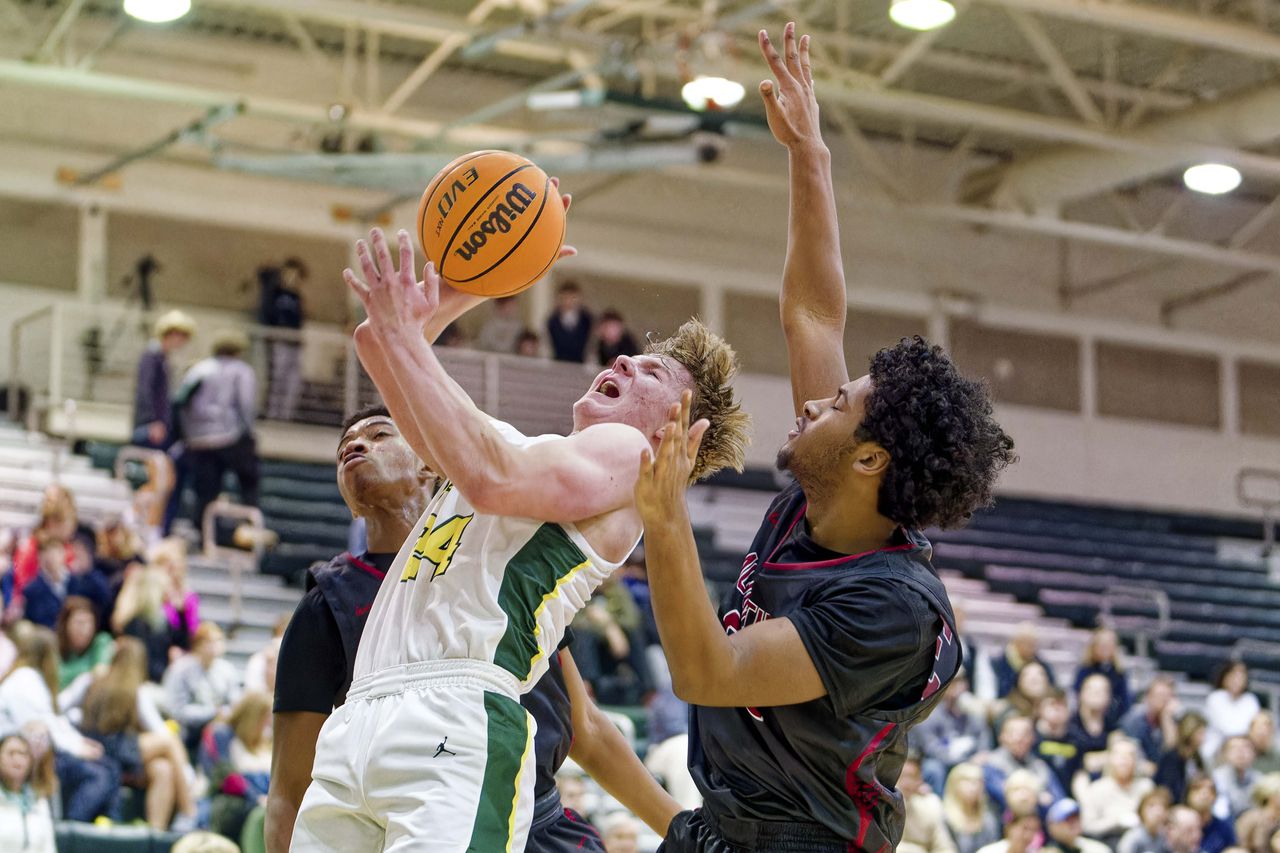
(318, 654)
(880, 631)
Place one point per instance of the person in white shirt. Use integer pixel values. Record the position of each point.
(1229, 709)
(1020, 834)
(202, 685)
(925, 830)
(26, 821)
(1109, 804)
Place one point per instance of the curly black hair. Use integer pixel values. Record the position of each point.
(944, 446)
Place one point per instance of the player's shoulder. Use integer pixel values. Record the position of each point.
(619, 436)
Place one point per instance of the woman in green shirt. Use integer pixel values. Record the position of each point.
(81, 646)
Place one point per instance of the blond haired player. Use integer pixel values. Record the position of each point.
(432, 750)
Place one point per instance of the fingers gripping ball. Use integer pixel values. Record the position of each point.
(492, 222)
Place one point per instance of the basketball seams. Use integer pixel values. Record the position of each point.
(564, 224)
(466, 218)
(532, 225)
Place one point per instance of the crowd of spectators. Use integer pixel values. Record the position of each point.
(116, 699)
(1023, 765)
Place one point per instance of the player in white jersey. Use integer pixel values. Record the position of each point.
(432, 750)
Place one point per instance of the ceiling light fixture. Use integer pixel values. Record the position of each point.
(157, 11)
(922, 14)
(1212, 178)
(712, 93)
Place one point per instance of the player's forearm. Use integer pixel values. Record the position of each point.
(457, 435)
(813, 287)
(697, 649)
(601, 750)
(282, 814)
(453, 304)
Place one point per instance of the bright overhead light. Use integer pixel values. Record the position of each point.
(922, 14)
(157, 11)
(1212, 178)
(712, 93)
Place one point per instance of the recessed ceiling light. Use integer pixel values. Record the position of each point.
(1212, 178)
(712, 93)
(922, 14)
(157, 11)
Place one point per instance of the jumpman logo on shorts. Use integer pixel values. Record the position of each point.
(440, 750)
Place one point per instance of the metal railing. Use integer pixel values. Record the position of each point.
(1143, 629)
(1259, 488)
(89, 354)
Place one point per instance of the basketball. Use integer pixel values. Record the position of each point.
(492, 222)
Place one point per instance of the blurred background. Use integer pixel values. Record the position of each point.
(1078, 199)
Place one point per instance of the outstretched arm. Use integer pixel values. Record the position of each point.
(602, 751)
(571, 479)
(813, 302)
(765, 664)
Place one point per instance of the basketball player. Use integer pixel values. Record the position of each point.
(383, 482)
(838, 636)
(512, 545)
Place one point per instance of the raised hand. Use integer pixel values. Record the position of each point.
(664, 475)
(790, 104)
(394, 299)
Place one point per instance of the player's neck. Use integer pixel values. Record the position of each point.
(385, 532)
(847, 526)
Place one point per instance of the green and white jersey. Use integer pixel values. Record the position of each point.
(486, 587)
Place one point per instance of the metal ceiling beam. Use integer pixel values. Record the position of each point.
(59, 29)
(915, 50)
(1205, 133)
(425, 69)
(1172, 306)
(1033, 31)
(1151, 20)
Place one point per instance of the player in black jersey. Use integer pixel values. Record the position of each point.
(838, 635)
(383, 481)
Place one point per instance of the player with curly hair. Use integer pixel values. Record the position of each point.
(838, 636)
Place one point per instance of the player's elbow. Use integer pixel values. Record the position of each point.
(694, 685)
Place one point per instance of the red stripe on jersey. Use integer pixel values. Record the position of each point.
(864, 796)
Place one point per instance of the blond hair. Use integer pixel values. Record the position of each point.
(141, 596)
(175, 321)
(956, 812)
(247, 718)
(712, 363)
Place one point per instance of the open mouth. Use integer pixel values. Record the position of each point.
(609, 388)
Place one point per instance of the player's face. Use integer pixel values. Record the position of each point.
(374, 462)
(636, 390)
(825, 429)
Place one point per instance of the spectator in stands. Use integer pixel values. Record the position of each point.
(529, 344)
(85, 578)
(48, 589)
(1230, 708)
(1101, 657)
(1023, 794)
(1182, 760)
(1054, 745)
(1030, 685)
(1154, 723)
(58, 520)
(667, 758)
(1153, 816)
(1235, 777)
(119, 714)
(1255, 827)
(1262, 734)
(621, 833)
(81, 646)
(26, 785)
(140, 613)
(152, 415)
(282, 312)
(1183, 834)
(965, 807)
(501, 330)
(955, 732)
(29, 702)
(218, 405)
(609, 645)
(181, 602)
(1109, 805)
(925, 830)
(119, 546)
(201, 686)
(1216, 834)
(1017, 739)
(1092, 724)
(1022, 649)
(613, 338)
(1020, 836)
(569, 326)
(1066, 832)
(236, 756)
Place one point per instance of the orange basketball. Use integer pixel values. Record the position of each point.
(492, 222)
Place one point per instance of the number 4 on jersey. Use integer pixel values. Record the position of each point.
(436, 546)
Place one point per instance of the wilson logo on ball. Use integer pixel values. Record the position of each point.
(499, 222)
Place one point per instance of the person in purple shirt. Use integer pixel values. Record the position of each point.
(152, 413)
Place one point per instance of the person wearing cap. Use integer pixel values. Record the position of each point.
(1065, 833)
(152, 415)
(217, 406)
